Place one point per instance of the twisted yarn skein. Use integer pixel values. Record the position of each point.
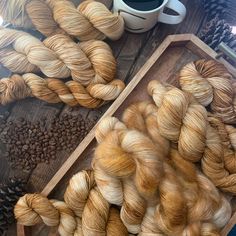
(136, 155)
(91, 20)
(123, 192)
(84, 212)
(182, 120)
(91, 65)
(227, 136)
(186, 203)
(54, 90)
(211, 84)
(171, 213)
(201, 206)
(57, 56)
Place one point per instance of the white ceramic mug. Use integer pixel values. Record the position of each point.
(140, 21)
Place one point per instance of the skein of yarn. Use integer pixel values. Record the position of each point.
(183, 121)
(169, 216)
(200, 205)
(186, 201)
(51, 90)
(90, 64)
(84, 212)
(91, 20)
(145, 165)
(136, 155)
(57, 56)
(211, 84)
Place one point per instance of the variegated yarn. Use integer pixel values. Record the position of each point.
(184, 206)
(91, 20)
(145, 164)
(57, 56)
(90, 64)
(211, 84)
(54, 90)
(84, 212)
(182, 192)
(182, 120)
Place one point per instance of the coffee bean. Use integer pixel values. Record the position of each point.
(29, 143)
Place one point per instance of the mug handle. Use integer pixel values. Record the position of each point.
(178, 7)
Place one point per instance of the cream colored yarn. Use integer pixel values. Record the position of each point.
(200, 205)
(84, 212)
(186, 202)
(54, 90)
(146, 166)
(90, 64)
(91, 20)
(57, 56)
(211, 84)
(170, 214)
(182, 120)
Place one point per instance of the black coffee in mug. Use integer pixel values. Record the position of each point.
(143, 5)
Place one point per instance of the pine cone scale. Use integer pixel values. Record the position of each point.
(9, 195)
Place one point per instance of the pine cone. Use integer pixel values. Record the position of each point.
(9, 195)
(216, 8)
(217, 31)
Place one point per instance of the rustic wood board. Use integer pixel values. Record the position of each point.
(163, 65)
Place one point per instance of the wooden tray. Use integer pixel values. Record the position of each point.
(169, 57)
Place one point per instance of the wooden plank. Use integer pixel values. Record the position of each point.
(23, 231)
(129, 54)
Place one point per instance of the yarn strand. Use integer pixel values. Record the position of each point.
(91, 20)
(54, 90)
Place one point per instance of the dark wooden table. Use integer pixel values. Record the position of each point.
(131, 52)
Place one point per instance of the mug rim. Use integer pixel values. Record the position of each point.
(149, 11)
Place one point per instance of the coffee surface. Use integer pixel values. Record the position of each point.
(144, 5)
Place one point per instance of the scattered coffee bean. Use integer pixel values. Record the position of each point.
(28, 144)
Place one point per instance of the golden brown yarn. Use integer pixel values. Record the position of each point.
(175, 212)
(124, 191)
(212, 206)
(54, 90)
(201, 206)
(170, 217)
(84, 212)
(211, 84)
(91, 65)
(136, 155)
(184, 121)
(91, 20)
(160, 189)
(180, 119)
(228, 139)
(57, 56)
(142, 116)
